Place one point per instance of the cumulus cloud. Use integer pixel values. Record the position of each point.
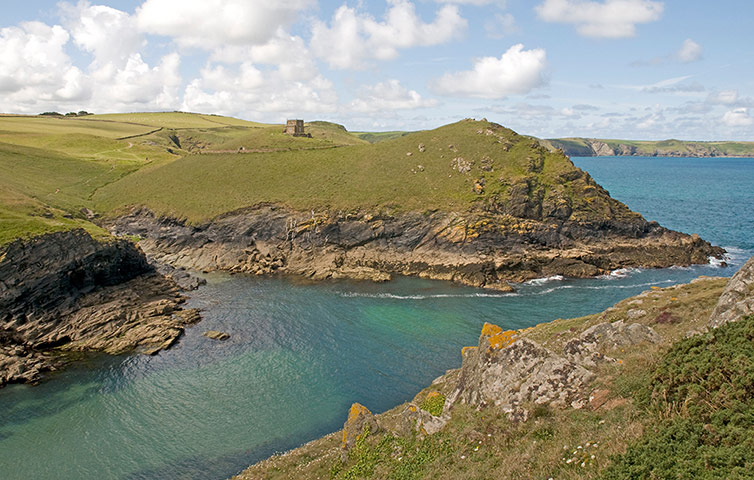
(389, 95)
(608, 19)
(208, 24)
(249, 91)
(690, 51)
(738, 117)
(354, 38)
(35, 71)
(517, 71)
(107, 33)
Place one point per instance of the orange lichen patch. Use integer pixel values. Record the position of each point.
(497, 337)
(465, 350)
(503, 339)
(432, 395)
(490, 329)
(356, 410)
(412, 408)
(655, 288)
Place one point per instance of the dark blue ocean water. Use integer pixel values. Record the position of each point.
(300, 354)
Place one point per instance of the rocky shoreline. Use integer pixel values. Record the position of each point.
(65, 292)
(480, 249)
(518, 375)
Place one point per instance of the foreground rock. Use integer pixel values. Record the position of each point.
(737, 300)
(66, 292)
(482, 249)
(509, 372)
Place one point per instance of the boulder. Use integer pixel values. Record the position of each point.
(737, 300)
(509, 373)
(359, 419)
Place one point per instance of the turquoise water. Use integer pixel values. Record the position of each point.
(300, 354)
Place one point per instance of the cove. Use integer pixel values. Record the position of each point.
(300, 354)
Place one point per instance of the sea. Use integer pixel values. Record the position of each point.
(300, 353)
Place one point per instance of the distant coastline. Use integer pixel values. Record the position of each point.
(593, 147)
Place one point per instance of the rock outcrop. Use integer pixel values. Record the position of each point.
(737, 300)
(590, 347)
(482, 249)
(510, 373)
(66, 292)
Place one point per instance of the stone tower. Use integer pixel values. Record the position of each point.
(295, 128)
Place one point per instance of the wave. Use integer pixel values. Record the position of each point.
(620, 273)
(599, 287)
(394, 296)
(542, 281)
(733, 255)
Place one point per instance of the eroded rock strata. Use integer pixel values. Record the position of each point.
(482, 249)
(66, 292)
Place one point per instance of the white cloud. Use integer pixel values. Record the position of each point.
(248, 91)
(288, 53)
(208, 24)
(389, 95)
(690, 51)
(608, 19)
(517, 71)
(738, 117)
(724, 97)
(109, 34)
(354, 38)
(35, 72)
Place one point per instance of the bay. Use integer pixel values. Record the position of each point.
(300, 353)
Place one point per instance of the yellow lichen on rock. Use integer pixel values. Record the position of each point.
(465, 350)
(496, 337)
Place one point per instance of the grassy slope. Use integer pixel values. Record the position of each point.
(51, 166)
(378, 176)
(484, 444)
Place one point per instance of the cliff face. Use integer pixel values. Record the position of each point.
(67, 292)
(588, 147)
(482, 249)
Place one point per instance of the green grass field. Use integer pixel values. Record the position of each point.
(378, 176)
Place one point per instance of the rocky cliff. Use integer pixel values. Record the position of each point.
(483, 248)
(65, 292)
(737, 301)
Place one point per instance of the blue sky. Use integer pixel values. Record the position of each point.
(638, 69)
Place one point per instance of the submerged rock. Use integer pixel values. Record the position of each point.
(215, 335)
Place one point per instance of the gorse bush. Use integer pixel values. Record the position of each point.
(703, 392)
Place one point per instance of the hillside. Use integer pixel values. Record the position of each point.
(52, 166)
(472, 202)
(653, 387)
(589, 147)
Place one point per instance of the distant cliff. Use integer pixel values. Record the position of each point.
(591, 147)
